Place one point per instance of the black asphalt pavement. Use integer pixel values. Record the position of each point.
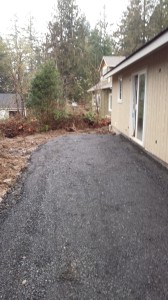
(88, 220)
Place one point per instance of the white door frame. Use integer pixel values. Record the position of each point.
(132, 111)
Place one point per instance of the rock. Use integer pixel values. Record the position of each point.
(7, 180)
(24, 282)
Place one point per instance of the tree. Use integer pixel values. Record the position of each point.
(105, 38)
(18, 53)
(35, 55)
(45, 90)
(76, 50)
(159, 18)
(99, 45)
(5, 80)
(147, 10)
(133, 30)
(22, 60)
(66, 44)
(129, 35)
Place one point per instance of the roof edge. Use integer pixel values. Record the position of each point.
(158, 41)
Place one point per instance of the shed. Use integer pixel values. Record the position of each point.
(10, 105)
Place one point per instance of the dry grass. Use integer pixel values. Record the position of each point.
(14, 154)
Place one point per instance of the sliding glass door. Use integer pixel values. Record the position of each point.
(139, 84)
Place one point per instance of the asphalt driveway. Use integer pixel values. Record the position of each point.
(88, 220)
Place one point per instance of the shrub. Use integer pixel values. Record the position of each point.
(18, 126)
(45, 90)
(90, 118)
(60, 115)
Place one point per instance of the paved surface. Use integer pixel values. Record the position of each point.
(89, 220)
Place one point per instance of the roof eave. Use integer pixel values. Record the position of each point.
(155, 44)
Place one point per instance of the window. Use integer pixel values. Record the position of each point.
(110, 102)
(120, 90)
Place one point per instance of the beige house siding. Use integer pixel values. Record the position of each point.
(121, 111)
(156, 103)
(156, 134)
(104, 99)
(104, 86)
(104, 103)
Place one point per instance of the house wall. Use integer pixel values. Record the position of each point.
(156, 103)
(94, 107)
(104, 98)
(104, 103)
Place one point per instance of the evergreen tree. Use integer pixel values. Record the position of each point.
(45, 90)
(100, 44)
(66, 44)
(105, 38)
(130, 32)
(76, 50)
(133, 31)
(159, 18)
(5, 79)
(147, 10)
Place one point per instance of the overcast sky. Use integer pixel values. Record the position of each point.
(42, 11)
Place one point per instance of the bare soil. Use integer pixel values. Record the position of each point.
(14, 154)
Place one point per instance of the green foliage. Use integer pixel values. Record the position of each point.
(159, 18)
(130, 31)
(90, 118)
(60, 115)
(142, 20)
(76, 49)
(5, 79)
(66, 45)
(99, 45)
(45, 89)
(21, 60)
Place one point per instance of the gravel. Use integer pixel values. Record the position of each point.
(88, 220)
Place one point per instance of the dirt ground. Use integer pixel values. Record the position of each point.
(15, 152)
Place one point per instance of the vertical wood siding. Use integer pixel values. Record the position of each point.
(103, 109)
(121, 111)
(156, 138)
(104, 103)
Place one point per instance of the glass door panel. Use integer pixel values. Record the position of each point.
(140, 112)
